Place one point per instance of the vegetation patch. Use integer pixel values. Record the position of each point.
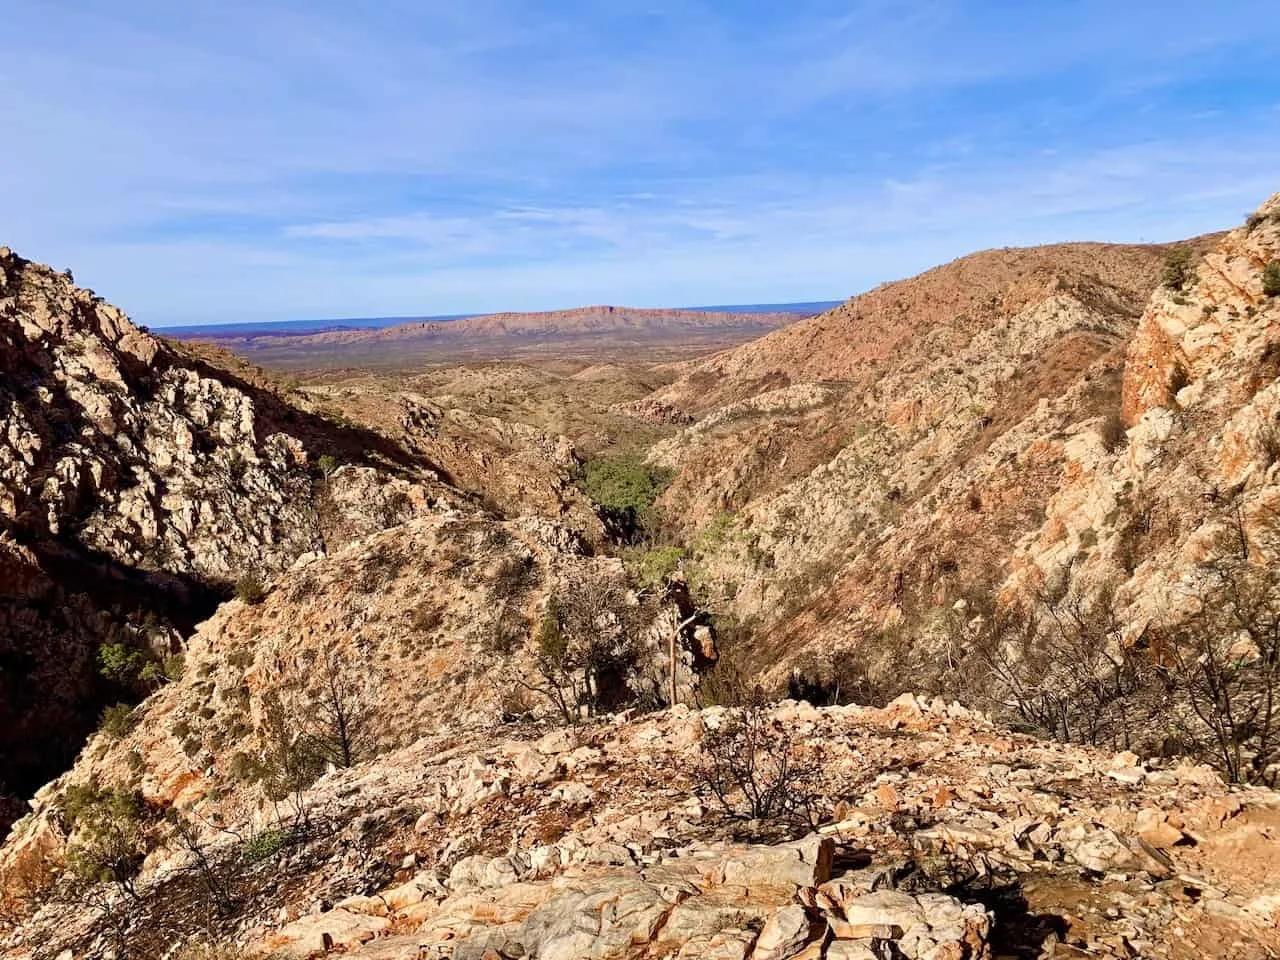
(1271, 279)
(118, 720)
(249, 589)
(624, 488)
(653, 567)
(1179, 269)
(265, 844)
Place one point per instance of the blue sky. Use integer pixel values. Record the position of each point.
(234, 161)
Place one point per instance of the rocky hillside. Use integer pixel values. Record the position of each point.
(140, 480)
(936, 313)
(938, 836)
(850, 478)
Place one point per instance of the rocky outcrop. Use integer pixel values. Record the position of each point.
(937, 835)
(522, 470)
(137, 482)
(110, 442)
(1198, 458)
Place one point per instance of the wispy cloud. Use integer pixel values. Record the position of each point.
(231, 160)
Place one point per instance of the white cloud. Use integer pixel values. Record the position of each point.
(285, 158)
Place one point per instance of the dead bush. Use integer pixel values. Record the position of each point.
(1058, 665)
(1112, 431)
(753, 768)
(839, 679)
(24, 885)
(1226, 657)
(426, 617)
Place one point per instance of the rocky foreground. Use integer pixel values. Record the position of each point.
(939, 836)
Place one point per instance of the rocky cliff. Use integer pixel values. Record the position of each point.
(850, 478)
(138, 481)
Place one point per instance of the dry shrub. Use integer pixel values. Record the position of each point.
(752, 766)
(1225, 659)
(23, 887)
(1112, 431)
(587, 654)
(426, 616)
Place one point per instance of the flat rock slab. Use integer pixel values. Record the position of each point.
(325, 931)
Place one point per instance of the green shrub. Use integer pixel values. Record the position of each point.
(249, 589)
(653, 567)
(553, 645)
(109, 842)
(624, 489)
(715, 531)
(159, 672)
(264, 845)
(624, 482)
(241, 658)
(327, 464)
(174, 665)
(210, 950)
(1179, 269)
(119, 662)
(118, 720)
(1271, 279)
(77, 799)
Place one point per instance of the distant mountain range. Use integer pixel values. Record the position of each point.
(294, 328)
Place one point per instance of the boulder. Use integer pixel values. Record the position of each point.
(783, 935)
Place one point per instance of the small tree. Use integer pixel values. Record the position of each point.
(1179, 269)
(1060, 666)
(327, 464)
(159, 672)
(288, 765)
(341, 715)
(24, 885)
(322, 711)
(216, 881)
(561, 682)
(108, 841)
(1227, 655)
(585, 646)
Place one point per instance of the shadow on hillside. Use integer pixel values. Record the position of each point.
(1018, 932)
(52, 624)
